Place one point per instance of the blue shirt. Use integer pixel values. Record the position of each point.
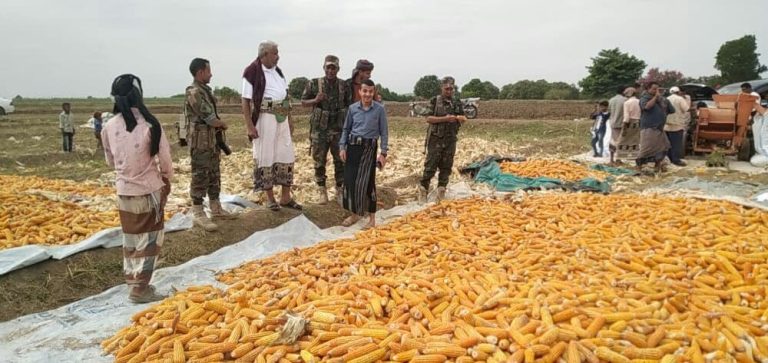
(368, 123)
(97, 125)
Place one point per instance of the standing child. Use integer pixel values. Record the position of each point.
(600, 117)
(97, 126)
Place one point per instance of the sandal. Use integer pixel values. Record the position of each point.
(273, 206)
(350, 220)
(368, 226)
(292, 204)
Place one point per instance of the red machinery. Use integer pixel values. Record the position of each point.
(725, 127)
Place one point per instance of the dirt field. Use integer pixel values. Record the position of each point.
(488, 109)
(31, 146)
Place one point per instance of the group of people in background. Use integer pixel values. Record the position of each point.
(67, 127)
(647, 129)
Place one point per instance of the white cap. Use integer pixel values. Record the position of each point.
(674, 89)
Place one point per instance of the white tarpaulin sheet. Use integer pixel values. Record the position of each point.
(73, 333)
(16, 258)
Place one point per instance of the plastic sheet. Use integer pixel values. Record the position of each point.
(72, 333)
(16, 258)
(760, 136)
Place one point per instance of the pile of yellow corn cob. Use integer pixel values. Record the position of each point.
(35, 210)
(551, 168)
(543, 278)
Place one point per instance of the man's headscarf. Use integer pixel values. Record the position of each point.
(127, 91)
(362, 65)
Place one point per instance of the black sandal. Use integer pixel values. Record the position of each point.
(292, 204)
(273, 206)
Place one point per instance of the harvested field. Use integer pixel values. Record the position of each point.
(488, 109)
(32, 148)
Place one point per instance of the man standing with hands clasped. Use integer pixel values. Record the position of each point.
(444, 118)
(365, 123)
(328, 98)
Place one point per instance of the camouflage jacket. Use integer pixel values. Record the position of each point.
(336, 93)
(200, 104)
(328, 114)
(439, 106)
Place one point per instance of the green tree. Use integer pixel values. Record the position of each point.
(529, 90)
(477, 88)
(226, 94)
(506, 91)
(490, 91)
(610, 69)
(712, 81)
(427, 87)
(296, 87)
(387, 95)
(561, 91)
(737, 60)
(666, 78)
(17, 98)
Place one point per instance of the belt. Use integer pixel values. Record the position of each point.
(271, 103)
(276, 107)
(359, 140)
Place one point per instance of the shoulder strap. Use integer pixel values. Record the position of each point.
(320, 85)
(439, 108)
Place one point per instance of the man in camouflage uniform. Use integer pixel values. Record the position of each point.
(328, 97)
(203, 123)
(444, 117)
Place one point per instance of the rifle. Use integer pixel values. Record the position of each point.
(221, 144)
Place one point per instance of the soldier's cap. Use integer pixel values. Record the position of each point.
(331, 60)
(364, 65)
(448, 80)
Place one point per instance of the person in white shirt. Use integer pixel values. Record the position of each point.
(629, 142)
(675, 126)
(616, 108)
(746, 89)
(67, 127)
(266, 110)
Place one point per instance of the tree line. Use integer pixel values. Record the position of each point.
(736, 60)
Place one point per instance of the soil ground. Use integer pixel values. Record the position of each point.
(30, 145)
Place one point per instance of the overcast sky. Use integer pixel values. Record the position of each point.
(75, 48)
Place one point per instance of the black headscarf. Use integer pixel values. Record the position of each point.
(127, 91)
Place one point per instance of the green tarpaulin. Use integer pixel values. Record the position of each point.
(489, 172)
(612, 170)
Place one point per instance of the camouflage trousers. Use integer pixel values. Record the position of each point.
(321, 144)
(440, 152)
(206, 175)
